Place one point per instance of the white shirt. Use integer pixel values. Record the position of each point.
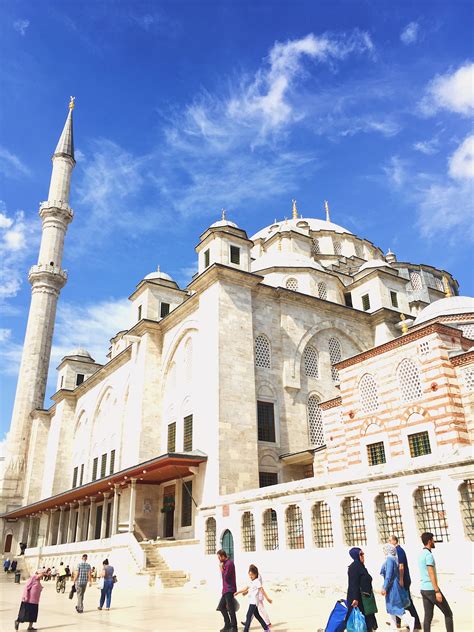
(254, 586)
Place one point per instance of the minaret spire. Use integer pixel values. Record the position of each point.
(47, 278)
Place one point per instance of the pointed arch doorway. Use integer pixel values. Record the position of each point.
(227, 543)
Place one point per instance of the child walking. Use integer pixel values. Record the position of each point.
(261, 607)
(253, 589)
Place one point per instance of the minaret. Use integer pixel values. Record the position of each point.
(46, 278)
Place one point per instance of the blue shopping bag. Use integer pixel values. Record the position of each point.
(356, 621)
(337, 617)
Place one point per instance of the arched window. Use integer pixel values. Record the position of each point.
(389, 517)
(368, 393)
(466, 490)
(248, 532)
(270, 530)
(262, 352)
(353, 519)
(430, 512)
(315, 422)
(337, 247)
(415, 279)
(315, 249)
(292, 284)
(210, 536)
(409, 380)
(294, 527)
(7, 547)
(322, 290)
(335, 356)
(322, 525)
(311, 361)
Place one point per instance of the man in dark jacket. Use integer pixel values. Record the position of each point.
(229, 587)
(405, 580)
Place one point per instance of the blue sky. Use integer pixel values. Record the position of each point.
(183, 108)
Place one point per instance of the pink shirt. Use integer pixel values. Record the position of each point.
(32, 590)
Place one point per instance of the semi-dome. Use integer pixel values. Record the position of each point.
(158, 274)
(299, 225)
(449, 306)
(284, 260)
(374, 263)
(79, 352)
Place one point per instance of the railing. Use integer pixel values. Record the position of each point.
(45, 267)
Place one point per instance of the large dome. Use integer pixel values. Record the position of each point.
(284, 260)
(449, 306)
(299, 225)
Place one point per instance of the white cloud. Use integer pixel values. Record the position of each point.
(427, 147)
(409, 35)
(453, 92)
(21, 26)
(445, 211)
(395, 171)
(10, 165)
(461, 163)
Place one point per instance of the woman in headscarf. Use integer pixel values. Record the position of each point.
(29, 601)
(396, 597)
(360, 585)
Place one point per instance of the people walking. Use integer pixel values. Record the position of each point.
(82, 577)
(262, 595)
(405, 579)
(359, 591)
(6, 565)
(30, 598)
(430, 591)
(253, 589)
(229, 587)
(107, 577)
(396, 597)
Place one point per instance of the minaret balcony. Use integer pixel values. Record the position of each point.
(46, 273)
(55, 208)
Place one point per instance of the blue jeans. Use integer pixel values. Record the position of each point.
(106, 593)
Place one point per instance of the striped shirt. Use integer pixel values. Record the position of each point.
(83, 570)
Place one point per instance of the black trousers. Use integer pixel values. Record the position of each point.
(251, 613)
(429, 602)
(226, 606)
(413, 612)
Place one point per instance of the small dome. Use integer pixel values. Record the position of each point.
(80, 352)
(223, 222)
(449, 306)
(298, 226)
(284, 260)
(157, 274)
(374, 263)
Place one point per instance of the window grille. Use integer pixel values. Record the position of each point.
(81, 477)
(424, 348)
(389, 517)
(322, 290)
(187, 504)
(322, 525)
(294, 527)
(419, 444)
(266, 421)
(171, 447)
(262, 352)
(248, 532)
(292, 284)
(112, 462)
(265, 479)
(79, 379)
(164, 309)
(353, 519)
(368, 393)
(366, 302)
(337, 247)
(315, 422)
(376, 453)
(468, 330)
(207, 258)
(235, 255)
(394, 298)
(409, 380)
(415, 279)
(74, 477)
(466, 491)
(439, 284)
(188, 434)
(95, 464)
(270, 530)
(468, 377)
(359, 250)
(103, 465)
(335, 356)
(311, 360)
(315, 248)
(210, 536)
(430, 512)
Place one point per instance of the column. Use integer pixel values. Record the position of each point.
(281, 518)
(103, 526)
(25, 530)
(258, 521)
(62, 510)
(368, 504)
(70, 530)
(405, 500)
(48, 528)
(80, 520)
(115, 509)
(133, 501)
(30, 530)
(334, 505)
(307, 516)
(92, 517)
(51, 527)
(451, 499)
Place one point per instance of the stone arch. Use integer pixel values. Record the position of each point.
(371, 421)
(188, 327)
(8, 541)
(265, 389)
(412, 410)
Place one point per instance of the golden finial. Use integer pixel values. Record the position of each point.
(223, 214)
(326, 208)
(71, 103)
(404, 324)
(447, 288)
(295, 210)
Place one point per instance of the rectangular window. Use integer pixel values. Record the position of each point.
(81, 478)
(207, 258)
(366, 302)
(164, 309)
(266, 421)
(235, 255)
(79, 379)
(103, 465)
(172, 437)
(187, 504)
(394, 298)
(348, 299)
(112, 462)
(188, 434)
(419, 444)
(376, 453)
(265, 479)
(95, 464)
(74, 477)
(62, 381)
(139, 312)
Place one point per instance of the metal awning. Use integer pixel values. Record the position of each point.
(303, 457)
(161, 469)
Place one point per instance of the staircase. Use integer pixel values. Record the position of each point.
(158, 569)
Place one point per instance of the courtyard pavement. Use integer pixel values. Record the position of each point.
(182, 609)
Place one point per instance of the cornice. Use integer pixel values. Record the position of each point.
(463, 358)
(331, 403)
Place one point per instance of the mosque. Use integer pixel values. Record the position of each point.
(305, 393)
